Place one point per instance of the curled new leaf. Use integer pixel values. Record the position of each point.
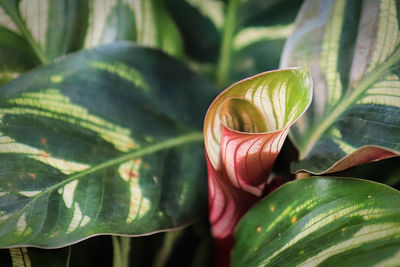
(244, 130)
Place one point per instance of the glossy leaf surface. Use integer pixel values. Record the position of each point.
(103, 141)
(353, 51)
(324, 222)
(244, 129)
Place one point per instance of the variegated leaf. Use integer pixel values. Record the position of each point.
(50, 28)
(104, 141)
(146, 22)
(258, 49)
(259, 31)
(20, 257)
(322, 222)
(38, 31)
(353, 51)
(244, 129)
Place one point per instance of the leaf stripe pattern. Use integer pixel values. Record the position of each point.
(36, 14)
(20, 257)
(244, 130)
(330, 51)
(88, 146)
(35, 32)
(353, 118)
(339, 221)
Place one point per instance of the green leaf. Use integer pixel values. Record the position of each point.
(254, 41)
(43, 30)
(155, 26)
(200, 23)
(16, 55)
(253, 57)
(66, 26)
(353, 51)
(104, 141)
(322, 221)
(50, 28)
(267, 13)
(109, 22)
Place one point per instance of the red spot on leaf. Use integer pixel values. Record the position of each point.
(132, 174)
(272, 208)
(44, 154)
(294, 219)
(43, 140)
(32, 175)
(258, 229)
(9, 184)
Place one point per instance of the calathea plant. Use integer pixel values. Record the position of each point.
(110, 140)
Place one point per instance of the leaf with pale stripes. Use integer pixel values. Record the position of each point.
(37, 31)
(104, 141)
(322, 222)
(50, 28)
(20, 257)
(146, 22)
(35, 257)
(261, 30)
(353, 51)
(34, 32)
(244, 130)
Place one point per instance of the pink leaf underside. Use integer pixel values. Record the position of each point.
(361, 156)
(242, 144)
(247, 161)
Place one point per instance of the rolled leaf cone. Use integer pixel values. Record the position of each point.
(244, 130)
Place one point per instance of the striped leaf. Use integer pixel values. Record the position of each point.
(353, 51)
(104, 141)
(258, 32)
(34, 257)
(38, 31)
(49, 28)
(244, 130)
(146, 22)
(322, 222)
(20, 257)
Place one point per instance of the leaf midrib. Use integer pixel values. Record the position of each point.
(184, 139)
(348, 99)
